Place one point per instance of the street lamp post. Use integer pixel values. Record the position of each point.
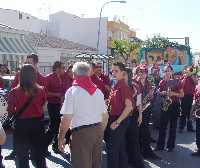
(99, 26)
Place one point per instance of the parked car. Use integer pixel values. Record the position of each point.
(7, 79)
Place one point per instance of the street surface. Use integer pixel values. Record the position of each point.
(180, 158)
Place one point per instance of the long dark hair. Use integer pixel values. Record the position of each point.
(130, 76)
(28, 78)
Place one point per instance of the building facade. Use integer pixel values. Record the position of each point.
(15, 45)
(22, 21)
(80, 30)
(118, 30)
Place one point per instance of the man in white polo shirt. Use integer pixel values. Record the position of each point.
(83, 110)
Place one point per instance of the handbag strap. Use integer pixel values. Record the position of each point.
(22, 109)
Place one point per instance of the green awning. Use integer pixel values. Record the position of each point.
(15, 46)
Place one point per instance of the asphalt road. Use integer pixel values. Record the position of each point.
(180, 158)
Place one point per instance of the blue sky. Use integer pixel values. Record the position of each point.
(171, 18)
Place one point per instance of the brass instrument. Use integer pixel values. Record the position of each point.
(196, 109)
(146, 102)
(167, 100)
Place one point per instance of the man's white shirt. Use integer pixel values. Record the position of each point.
(85, 109)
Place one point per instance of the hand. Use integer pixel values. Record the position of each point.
(172, 94)
(61, 144)
(140, 119)
(114, 125)
(62, 99)
(58, 95)
(163, 93)
(151, 94)
(193, 118)
(107, 101)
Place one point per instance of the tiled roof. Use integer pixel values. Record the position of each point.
(42, 40)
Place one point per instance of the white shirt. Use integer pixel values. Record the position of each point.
(86, 109)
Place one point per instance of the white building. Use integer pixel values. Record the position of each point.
(61, 24)
(80, 30)
(22, 21)
(15, 45)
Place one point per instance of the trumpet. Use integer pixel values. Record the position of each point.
(167, 100)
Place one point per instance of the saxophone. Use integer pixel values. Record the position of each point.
(167, 100)
(146, 102)
(196, 109)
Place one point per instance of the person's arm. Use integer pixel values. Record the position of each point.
(161, 90)
(2, 135)
(179, 94)
(104, 120)
(15, 82)
(53, 94)
(11, 108)
(103, 107)
(140, 114)
(64, 126)
(48, 88)
(67, 111)
(126, 112)
(128, 108)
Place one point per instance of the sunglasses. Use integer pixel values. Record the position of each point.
(167, 71)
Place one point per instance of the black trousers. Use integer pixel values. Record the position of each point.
(145, 136)
(133, 145)
(52, 133)
(168, 117)
(1, 157)
(186, 105)
(198, 133)
(29, 136)
(116, 144)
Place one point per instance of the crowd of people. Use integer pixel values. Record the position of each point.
(87, 108)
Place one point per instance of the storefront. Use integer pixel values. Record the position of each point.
(13, 50)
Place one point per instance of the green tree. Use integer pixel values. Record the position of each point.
(125, 49)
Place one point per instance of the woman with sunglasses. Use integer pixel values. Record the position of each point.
(29, 127)
(120, 106)
(171, 88)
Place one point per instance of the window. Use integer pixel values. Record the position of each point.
(20, 15)
(110, 34)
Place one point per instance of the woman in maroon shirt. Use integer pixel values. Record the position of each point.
(171, 115)
(120, 106)
(132, 135)
(29, 127)
(33, 60)
(188, 84)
